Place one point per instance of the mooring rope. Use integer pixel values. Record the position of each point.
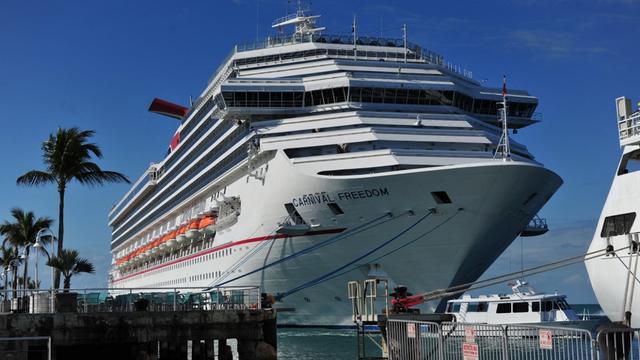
(358, 229)
(324, 277)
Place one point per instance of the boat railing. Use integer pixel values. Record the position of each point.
(410, 339)
(413, 51)
(628, 128)
(89, 300)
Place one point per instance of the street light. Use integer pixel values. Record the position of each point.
(39, 244)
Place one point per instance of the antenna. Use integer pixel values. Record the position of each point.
(305, 24)
(503, 145)
(353, 30)
(404, 39)
(257, 20)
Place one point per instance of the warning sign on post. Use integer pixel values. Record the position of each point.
(546, 339)
(470, 334)
(411, 330)
(470, 351)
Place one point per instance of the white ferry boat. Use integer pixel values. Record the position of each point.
(614, 277)
(523, 306)
(309, 160)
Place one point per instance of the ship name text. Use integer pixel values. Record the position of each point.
(325, 197)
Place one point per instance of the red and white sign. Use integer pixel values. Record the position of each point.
(470, 351)
(546, 339)
(411, 330)
(470, 334)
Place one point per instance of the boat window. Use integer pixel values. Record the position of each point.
(562, 304)
(503, 308)
(520, 307)
(630, 163)
(477, 307)
(547, 305)
(455, 308)
(617, 224)
(535, 306)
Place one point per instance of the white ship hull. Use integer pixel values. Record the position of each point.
(609, 275)
(491, 203)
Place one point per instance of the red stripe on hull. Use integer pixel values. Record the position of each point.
(228, 245)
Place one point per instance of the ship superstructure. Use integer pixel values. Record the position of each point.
(376, 151)
(614, 276)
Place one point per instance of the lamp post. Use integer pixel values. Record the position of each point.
(39, 244)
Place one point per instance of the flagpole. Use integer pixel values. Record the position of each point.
(505, 129)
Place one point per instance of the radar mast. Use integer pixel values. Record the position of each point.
(304, 22)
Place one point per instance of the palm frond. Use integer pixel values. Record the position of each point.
(36, 178)
(100, 177)
(83, 266)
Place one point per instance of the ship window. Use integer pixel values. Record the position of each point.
(503, 308)
(520, 307)
(455, 308)
(617, 224)
(441, 197)
(562, 304)
(535, 306)
(630, 163)
(477, 307)
(335, 208)
(547, 305)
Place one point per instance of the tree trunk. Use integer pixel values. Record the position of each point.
(60, 232)
(67, 283)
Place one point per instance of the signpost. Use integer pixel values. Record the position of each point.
(546, 339)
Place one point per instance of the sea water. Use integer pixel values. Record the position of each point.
(341, 344)
(316, 344)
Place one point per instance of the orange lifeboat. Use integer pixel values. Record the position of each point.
(171, 239)
(207, 225)
(193, 229)
(180, 236)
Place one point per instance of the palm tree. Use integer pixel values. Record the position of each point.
(69, 263)
(67, 156)
(30, 284)
(22, 232)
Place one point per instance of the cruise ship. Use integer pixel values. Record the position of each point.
(310, 160)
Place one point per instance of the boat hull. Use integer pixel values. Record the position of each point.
(416, 240)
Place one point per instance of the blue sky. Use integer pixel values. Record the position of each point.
(97, 65)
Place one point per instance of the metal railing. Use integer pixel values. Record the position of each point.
(629, 127)
(410, 340)
(91, 300)
(25, 347)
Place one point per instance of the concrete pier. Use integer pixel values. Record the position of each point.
(145, 335)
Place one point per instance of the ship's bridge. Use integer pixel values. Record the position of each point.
(628, 122)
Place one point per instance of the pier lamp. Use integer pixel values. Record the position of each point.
(38, 244)
(3, 276)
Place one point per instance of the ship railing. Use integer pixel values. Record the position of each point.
(409, 339)
(25, 347)
(413, 51)
(88, 300)
(629, 127)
